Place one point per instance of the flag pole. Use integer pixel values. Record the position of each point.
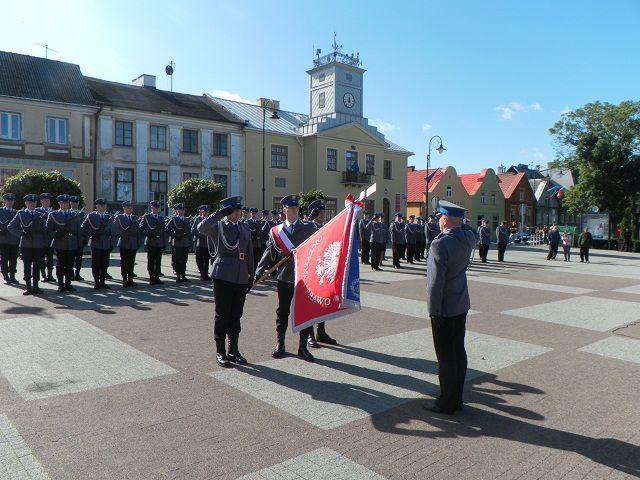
(270, 270)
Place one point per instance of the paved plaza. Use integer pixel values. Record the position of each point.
(123, 384)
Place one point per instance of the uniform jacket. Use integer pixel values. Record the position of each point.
(152, 228)
(410, 233)
(127, 231)
(232, 249)
(6, 215)
(264, 231)
(502, 234)
(286, 272)
(30, 228)
(364, 229)
(97, 228)
(254, 226)
(65, 228)
(447, 292)
(199, 239)
(432, 230)
(484, 235)
(397, 232)
(48, 233)
(179, 230)
(554, 236)
(378, 231)
(420, 234)
(82, 238)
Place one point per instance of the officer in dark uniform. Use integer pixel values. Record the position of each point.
(397, 239)
(97, 228)
(29, 226)
(410, 238)
(298, 232)
(432, 230)
(376, 239)
(232, 274)
(420, 239)
(82, 240)
(152, 227)
(200, 242)
(178, 228)
(365, 234)
(448, 303)
(126, 228)
(47, 265)
(8, 242)
(254, 225)
(64, 225)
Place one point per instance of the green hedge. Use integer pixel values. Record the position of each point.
(195, 192)
(36, 181)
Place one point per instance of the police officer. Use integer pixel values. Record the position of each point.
(65, 227)
(47, 265)
(152, 227)
(74, 200)
(420, 238)
(200, 242)
(448, 304)
(365, 235)
(254, 225)
(126, 228)
(178, 228)
(397, 239)
(484, 240)
(377, 239)
(432, 230)
(297, 231)
(232, 274)
(29, 226)
(8, 242)
(97, 228)
(410, 238)
(502, 236)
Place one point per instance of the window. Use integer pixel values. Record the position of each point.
(222, 180)
(189, 141)
(349, 77)
(387, 170)
(189, 175)
(483, 198)
(124, 133)
(277, 205)
(57, 130)
(279, 156)
(522, 194)
(321, 100)
(6, 173)
(370, 164)
(493, 199)
(332, 159)
(398, 203)
(124, 184)
(351, 158)
(158, 137)
(10, 126)
(281, 182)
(449, 191)
(158, 181)
(220, 145)
(330, 208)
(321, 77)
(369, 207)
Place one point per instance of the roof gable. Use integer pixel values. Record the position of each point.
(417, 182)
(509, 182)
(347, 130)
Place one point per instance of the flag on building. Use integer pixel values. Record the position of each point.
(327, 281)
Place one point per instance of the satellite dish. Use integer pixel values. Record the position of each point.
(168, 69)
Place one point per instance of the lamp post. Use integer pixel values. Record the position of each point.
(439, 149)
(274, 116)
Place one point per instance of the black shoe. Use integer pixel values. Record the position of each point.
(237, 358)
(134, 275)
(161, 274)
(96, 286)
(185, 279)
(28, 291)
(159, 282)
(324, 338)
(37, 291)
(279, 351)
(107, 276)
(61, 288)
(7, 281)
(78, 278)
(132, 284)
(44, 279)
(222, 360)
(50, 278)
(432, 407)
(305, 354)
(179, 279)
(105, 286)
(70, 288)
(14, 281)
(312, 342)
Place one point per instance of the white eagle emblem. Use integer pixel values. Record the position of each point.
(327, 266)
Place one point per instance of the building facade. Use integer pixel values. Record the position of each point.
(47, 119)
(486, 200)
(444, 184)
(519, 200)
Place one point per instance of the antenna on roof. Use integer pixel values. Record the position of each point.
(169, 71)
(46, 49)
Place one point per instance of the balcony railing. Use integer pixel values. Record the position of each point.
(355, 178)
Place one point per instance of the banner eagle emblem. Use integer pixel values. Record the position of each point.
(327, 266)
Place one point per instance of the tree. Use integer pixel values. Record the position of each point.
(600, 143)
(307, 197)
(35, 181)
(195, 192)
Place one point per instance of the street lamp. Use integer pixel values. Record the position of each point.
(439, 149)
(274, 116)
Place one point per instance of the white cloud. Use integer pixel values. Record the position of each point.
(236, 97)
(536, 106)
(565, 110)
(426, 127)
(384, 127)
(508, 111)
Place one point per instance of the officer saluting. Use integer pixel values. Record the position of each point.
(29, 226)
(448, 303)
(202, 249)
(127, 230)
(152, 227)
(65, 227)
(8, 242)
(97, 227)
(232, 273)
(179, 229)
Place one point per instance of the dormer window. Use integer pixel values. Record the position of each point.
(321, 77)
(349, 77)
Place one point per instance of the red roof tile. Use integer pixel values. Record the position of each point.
(509, 182)
(417, 183)
(472, 181)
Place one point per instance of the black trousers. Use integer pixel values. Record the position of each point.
(553, 250)
(32, 262)
(181, 255)
(202, 261)
(257, 255)
(584, 254)
(376, 254)
(78, 258)
(419, 250)
(47, 261)
(154, 259)
(8, 259)
(127, 262)
(502, 247)
(483, 250)
(99, 264)
(411, 252)
(64, 266)
(397, 253)
(229, 298)
(448, 340)
(403, 251)
(285, 296)
(366, 252)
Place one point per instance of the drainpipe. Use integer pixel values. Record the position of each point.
(301, 163)
(95, 150)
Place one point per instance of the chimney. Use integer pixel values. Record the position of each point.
(145, 80)
(501, 169)
(266, 102)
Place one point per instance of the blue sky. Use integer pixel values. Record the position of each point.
(489, 77)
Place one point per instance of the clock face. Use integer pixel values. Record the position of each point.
(349, 100)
